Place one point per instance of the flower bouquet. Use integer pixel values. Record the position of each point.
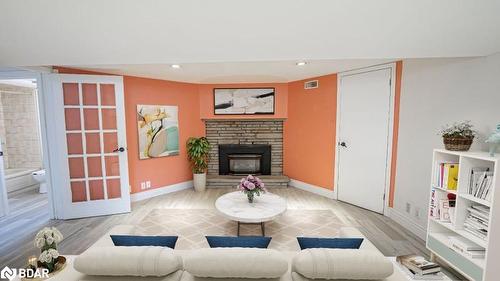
(252, 186)
(46, 240)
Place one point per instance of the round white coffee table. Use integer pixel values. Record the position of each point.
(235, 206)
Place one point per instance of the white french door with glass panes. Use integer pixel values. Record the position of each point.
(87, 145)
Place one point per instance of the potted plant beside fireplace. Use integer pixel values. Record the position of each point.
(197, 149)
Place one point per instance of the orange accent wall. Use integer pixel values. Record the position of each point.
(395, 134)
(161, 171)
(207, 100)
(309, 132)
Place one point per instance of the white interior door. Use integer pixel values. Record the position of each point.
(4, 204)
(87, 145)
(365, 103)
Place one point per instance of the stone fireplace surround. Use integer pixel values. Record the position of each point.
(245, 132)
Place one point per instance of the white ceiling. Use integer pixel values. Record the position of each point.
(243, 72)
(219, 39)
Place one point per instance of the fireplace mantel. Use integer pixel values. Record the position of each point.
(243, 119)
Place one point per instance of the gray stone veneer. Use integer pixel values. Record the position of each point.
(245, 132)
(19, 127)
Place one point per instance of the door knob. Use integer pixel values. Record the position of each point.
(120, 149)
(343, 144)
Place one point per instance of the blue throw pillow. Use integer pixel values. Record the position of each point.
(333, 243)
(131, 240)
(240, 241)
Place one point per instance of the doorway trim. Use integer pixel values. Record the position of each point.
(36, 73)
(390, 145)
(4, 201)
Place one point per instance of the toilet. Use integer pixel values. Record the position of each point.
(39, 176)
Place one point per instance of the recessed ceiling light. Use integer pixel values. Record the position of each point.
(301, 63)
(175, 66)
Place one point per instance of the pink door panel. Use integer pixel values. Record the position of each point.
(108, 94)
(70, 92)
(89, 94)
(91, 137)
(74, 141)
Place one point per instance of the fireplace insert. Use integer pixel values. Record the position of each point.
(244, 159)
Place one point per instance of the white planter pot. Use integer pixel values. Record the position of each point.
(200, 182)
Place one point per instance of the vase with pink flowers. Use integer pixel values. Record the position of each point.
(251, 186)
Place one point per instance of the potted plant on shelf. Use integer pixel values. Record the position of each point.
(197, 149)
(252, 186)
(459, 136)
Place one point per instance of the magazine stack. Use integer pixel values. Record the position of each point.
(418, 268)
(477, 221)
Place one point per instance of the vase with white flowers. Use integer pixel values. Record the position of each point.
(251, 186)
(46, 240)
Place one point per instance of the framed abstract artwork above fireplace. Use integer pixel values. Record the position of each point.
(229, 101)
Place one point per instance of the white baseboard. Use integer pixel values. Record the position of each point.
(407, 223)
(160, 191)
(312, 188)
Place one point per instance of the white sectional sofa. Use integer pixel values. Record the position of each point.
(105, 262)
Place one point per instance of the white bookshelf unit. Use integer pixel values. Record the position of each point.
(440, 231)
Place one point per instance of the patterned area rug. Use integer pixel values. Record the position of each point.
(192, 225)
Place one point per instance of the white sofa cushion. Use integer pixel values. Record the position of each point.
(236, 263)
(342, 264)
(128, 261)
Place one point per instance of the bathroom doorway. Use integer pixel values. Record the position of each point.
(25, 194)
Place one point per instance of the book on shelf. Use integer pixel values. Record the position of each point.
(434, 205)
(446, 175)
(477, 221)
(413, 276)
(442, 206)
(466, 247)
(480, 211)
(418, 265)
(475, 232)
(475, 254)
(480, 183)
(444, 210)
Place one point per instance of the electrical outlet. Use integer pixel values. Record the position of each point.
(148, 184)
(417, 213)
(408, 207)
(143, 185)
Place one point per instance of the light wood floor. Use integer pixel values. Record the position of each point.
(19, 228)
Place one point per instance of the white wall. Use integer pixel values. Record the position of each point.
(436, 92)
